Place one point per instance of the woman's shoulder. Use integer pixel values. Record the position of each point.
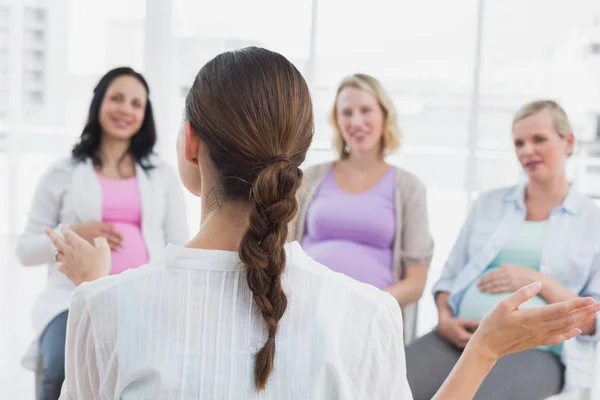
(317, 171)
(60, 169)
(499, 195)
(312, 177)
(586, 203)
(337, 293)
(64, 164)
(407, 183)
(585, 211)
(110, 288)
(405, 176)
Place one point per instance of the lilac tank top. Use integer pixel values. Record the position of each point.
(122, 206)
(354, 233)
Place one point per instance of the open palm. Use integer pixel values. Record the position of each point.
(80, 261)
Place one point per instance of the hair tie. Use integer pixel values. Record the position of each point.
(279, 157)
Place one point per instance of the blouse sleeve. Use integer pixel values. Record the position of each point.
(82, 376)
(382, 367)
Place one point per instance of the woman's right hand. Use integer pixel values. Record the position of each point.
(94, 229)
(79, 260)
(457, 331)
(509, 329)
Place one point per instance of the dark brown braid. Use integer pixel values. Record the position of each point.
(262, 251)
(252, 110)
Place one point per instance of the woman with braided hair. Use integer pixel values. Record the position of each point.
(238, 313)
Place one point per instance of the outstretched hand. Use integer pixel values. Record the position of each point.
(79, 260)
(508, 329)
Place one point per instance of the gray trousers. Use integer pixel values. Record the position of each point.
(529, 375)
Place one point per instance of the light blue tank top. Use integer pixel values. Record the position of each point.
(523, 248)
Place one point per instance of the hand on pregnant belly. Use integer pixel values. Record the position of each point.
(133, 252)
(93, 229)
(507, 278)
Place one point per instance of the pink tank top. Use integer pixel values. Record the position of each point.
(122, 206)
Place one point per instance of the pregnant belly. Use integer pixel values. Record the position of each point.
(358, 261)
(133, 254)
(476, 304)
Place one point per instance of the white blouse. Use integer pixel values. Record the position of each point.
(186, 328)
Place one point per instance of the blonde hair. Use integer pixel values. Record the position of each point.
(391, 137)
(562, 125)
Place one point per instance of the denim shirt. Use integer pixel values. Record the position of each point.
(570, 254)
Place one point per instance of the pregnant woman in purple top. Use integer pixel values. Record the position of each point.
(359, 215)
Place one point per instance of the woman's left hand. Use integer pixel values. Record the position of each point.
(79, 260)
(507, 328)
(507, 278)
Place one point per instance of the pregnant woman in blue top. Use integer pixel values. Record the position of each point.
(541, 230)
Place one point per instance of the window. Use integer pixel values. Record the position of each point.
(424, 59)
(33, 100)
(4, 38)
(525, 63)
(4, 59)
(33, 59)
(4, 16)
(34, 38)
(3, 100)
(183, 91)
(35, 16)
(3, 83)
(33, 77)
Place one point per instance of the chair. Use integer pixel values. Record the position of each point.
(409, 318)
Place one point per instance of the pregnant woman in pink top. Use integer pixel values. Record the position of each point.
(122, 208)
(111, 186)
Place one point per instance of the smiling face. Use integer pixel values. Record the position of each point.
(360, 120)
(540, 149)
(123, 108)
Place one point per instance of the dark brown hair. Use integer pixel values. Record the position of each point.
(141, 144)
(253, 111)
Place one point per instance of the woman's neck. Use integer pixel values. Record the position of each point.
(222, 226)
(112, 151)
(551, 193)
(363, 162)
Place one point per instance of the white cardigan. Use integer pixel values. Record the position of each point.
(69, 193)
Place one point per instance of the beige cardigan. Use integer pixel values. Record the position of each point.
(413, 244)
